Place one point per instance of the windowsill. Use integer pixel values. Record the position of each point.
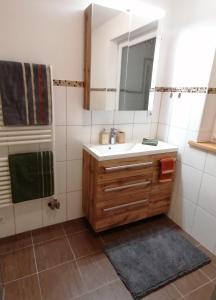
(207, 146)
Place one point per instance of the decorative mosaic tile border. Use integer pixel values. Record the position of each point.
(71, 83)
(103, 90)
(180, 89)
(161, 89)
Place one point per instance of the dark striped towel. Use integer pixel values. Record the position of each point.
(32, 175)
(25, 94)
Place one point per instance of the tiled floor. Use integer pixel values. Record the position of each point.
(66, 261)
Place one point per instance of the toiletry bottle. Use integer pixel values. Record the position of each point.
(104, 137)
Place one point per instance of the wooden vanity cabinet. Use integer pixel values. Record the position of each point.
(120, 191)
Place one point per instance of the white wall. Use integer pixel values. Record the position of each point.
(188, 49)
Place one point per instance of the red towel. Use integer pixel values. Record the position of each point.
(167, 166)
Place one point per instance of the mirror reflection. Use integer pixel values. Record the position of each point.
(122, 58)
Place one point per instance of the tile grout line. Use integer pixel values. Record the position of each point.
(20, 278)
(196, 289)
(75, 261)
(206, 275)
(36, 267)
(96, 289)
(180, 293)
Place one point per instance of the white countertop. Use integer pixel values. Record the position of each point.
(107, 152)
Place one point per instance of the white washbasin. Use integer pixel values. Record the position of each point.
(105, 152)
(112, 149)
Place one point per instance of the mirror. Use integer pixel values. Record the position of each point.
(122, 59)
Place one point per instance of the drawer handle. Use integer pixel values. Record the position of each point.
(125, 205)
(126, 186)
(110, 169)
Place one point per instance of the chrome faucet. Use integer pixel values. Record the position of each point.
(113, 136)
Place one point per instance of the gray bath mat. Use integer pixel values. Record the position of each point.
(153, 260)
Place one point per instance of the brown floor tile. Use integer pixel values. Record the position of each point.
(113, 291)
(96, 270)
(52, 253)
(85, 243)
(47, 233)
(203, 293)
(169, 292)
(189, 237)
(210, 269)
(62, 283)
(190, 282)
(15, 242)
(17, 264)
(23, 289)
(115, 234)
(76, 226)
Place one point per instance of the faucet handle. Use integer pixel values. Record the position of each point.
(114, 130)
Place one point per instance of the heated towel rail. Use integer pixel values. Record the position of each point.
(21, 135)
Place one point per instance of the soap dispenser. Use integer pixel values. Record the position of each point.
(104, 137)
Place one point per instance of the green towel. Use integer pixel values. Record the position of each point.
(31, 175)
(150, 142)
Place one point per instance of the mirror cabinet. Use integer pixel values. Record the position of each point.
(119, 65)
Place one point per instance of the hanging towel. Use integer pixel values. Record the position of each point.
(32, 175)
(25, 94)
(167, 166)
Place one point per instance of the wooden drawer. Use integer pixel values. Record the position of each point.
(119, 215)
(161, 190)
(158, 206)
(124, 168)
(123, 190)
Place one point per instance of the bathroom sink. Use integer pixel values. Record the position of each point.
(106, 152)
(113, 149)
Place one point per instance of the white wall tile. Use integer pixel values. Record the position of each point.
(163, 132)
(53, 216)
(61, 177)
(95, 132)
(60, 143)
(165, 109)
(74, 205)
(102, 117)
(210, 166)
(74, 175)
(76, 137)
(181, 108)
(142, 117)
(28, 215)
(76, 115)
(207, 199)
(7, 226)
(192, 156)
(197, 107)
(141, 131)
(156, 107)
(123, 117)
(183, 213)
(59, 105)
(177, 136)
(204, 228)
(153, 130)
(188, 181)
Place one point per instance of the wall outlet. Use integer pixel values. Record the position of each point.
(2, 220)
